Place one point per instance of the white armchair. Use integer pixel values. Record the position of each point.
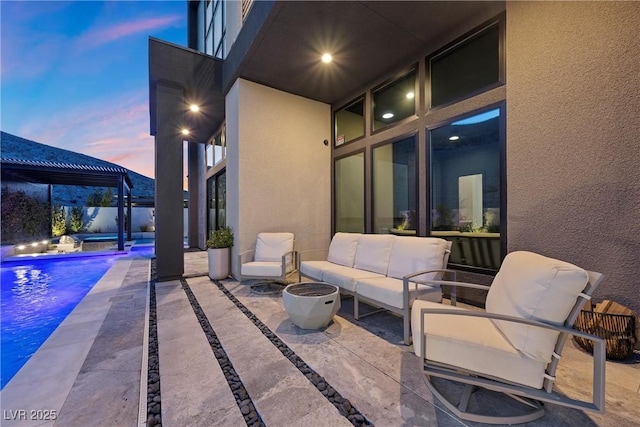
(514, 346)
(272, 260)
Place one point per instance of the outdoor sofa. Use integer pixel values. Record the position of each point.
(382, 270)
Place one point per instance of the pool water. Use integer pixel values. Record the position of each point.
(36, 296)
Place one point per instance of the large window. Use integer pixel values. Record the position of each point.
(216, 202)
(214, 24)
(394, 188)
(466, 68)
(466, 187)
(394, 101)
(349, 193)
(216, 149)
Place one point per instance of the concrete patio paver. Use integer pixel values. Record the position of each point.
(88, 370)
(280, 392)
(193, 388)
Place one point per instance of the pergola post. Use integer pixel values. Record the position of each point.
(121, 213)
(129, 220)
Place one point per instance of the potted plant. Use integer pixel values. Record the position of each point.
(219, 248)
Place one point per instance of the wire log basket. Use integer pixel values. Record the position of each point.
(617, 329)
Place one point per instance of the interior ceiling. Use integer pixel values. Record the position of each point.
(368, 41)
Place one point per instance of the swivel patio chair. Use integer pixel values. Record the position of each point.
(514, 346)
(272, 260)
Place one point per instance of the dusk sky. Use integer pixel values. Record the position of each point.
(74, 75)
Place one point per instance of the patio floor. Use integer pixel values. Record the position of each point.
(91, 368)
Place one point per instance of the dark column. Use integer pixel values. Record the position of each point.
(169, 193)
(197, 195)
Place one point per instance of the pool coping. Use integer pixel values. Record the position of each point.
(47, 378)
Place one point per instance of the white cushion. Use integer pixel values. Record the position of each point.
(342, 249)
(532, 286)
(373, 252)
(262, 268)
(474, 344)
(271, 246)
(414, 254)
(314, 269)
(389, 291)
(346, 277)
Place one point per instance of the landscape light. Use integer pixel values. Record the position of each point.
(326, 58)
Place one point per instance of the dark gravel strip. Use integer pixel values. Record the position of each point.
(247, 408)
(154, 416)
(343, 405)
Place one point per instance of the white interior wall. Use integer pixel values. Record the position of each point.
(278, 167)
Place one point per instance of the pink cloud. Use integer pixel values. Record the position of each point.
(102, 35)
(119, 158)
(115, 129)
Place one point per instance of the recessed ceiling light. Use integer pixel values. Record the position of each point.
(411, 95)
(326, 58)
(185, 131)
(194, 108)
(454, 138)
(387, 115)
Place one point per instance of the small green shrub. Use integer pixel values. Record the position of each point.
(58, 220)
(23, 216)
(221, 238)
(76, 220)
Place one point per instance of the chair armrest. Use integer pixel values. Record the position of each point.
(454, 285)
(243, 257)
(405, 282)
(294, 261)
(435, 270)
(301, 254)
(495, 316)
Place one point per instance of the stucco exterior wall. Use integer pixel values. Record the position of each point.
(573, 157)
(278, 167)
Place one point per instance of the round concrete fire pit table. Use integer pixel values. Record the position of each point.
(311, 305)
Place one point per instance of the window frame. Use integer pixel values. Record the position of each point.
(416, 143)
(500, 21)
(502, 162)
(357, 99)
(415, 68)
(334, 203)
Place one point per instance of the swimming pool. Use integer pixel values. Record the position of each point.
(36, 296)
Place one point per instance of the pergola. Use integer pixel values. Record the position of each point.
(52, 173)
